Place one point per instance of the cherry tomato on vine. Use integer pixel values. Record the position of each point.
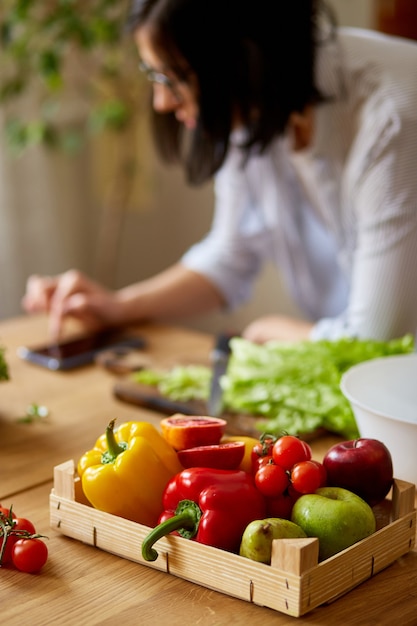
(6, 512)
(307, 476)
(271, 480)
(289, 450)
(7, 518)
(29, 555)
(21, 523)
(280, 506)
(7, 554)
(293, 493)
(263, 447)
(260, 462)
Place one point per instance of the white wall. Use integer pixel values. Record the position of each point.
(359, 13)
(46, 224)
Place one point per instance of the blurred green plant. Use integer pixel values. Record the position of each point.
(4, 372)
(68, 71)
(50, 46)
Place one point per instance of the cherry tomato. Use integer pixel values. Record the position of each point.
(7, 518)
(7, 554)
(260, 462)
(263, 447)
(322, 471)
(293, 493)
(307, 476)
(280, 506)
(21, 523)
(289, 450)
(29, 555)
(6, 512)
(271, 480)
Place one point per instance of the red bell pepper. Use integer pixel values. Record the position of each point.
(213, 506)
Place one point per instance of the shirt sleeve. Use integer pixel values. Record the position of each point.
(232, 253)
(381, 186)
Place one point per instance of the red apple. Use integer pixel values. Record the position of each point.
(363, 466)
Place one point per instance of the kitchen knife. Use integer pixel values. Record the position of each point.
(219, 359)
(149, 397)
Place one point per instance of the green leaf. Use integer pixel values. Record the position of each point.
(292, 387)
(112, 114)
(4, 372)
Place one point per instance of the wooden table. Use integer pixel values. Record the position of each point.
(82, 585)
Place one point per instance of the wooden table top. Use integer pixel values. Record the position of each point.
(83, 585)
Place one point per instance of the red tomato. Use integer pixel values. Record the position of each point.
(289, 450)
(263, 447)
(7, 518)
(4, 512)
(29, 555)
(271, 480)
(220, 456)
(22, 527)
(281, 506)
(322, 471)
(21, 523)
(260, 462)
(7, 554)
(307, 476)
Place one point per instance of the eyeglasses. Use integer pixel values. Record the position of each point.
(158, 77)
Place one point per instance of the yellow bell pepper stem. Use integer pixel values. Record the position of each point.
(113, 448)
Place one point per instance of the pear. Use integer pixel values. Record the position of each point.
(256, 543)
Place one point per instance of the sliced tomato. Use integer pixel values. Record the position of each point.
(182, 431)
(250, 442)
(221, 456)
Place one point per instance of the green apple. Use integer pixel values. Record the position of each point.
(257, 538)
(336, 516)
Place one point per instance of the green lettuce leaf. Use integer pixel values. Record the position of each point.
(291, 387)
(182, 383)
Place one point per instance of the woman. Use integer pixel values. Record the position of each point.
(311, 134)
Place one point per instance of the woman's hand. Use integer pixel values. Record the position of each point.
(173, 294)
(277, 327)
(74, 295)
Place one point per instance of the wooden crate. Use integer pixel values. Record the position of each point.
(295, 583)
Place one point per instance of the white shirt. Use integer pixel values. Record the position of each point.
(340, 218)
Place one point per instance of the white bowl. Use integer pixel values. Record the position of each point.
(383, 395)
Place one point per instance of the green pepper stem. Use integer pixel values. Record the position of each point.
(113, 448)
(186, 521)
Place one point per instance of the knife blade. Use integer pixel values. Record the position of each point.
(149, 398)
(219, 362)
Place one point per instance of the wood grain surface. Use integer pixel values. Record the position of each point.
(84, 586)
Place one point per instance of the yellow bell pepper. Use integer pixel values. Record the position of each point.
(127, 470)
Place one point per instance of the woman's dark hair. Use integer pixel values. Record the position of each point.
(252, 58)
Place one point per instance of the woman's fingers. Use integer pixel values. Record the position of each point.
(39, 291)
(71, 298)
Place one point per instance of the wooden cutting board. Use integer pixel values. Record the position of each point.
(150, 398)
